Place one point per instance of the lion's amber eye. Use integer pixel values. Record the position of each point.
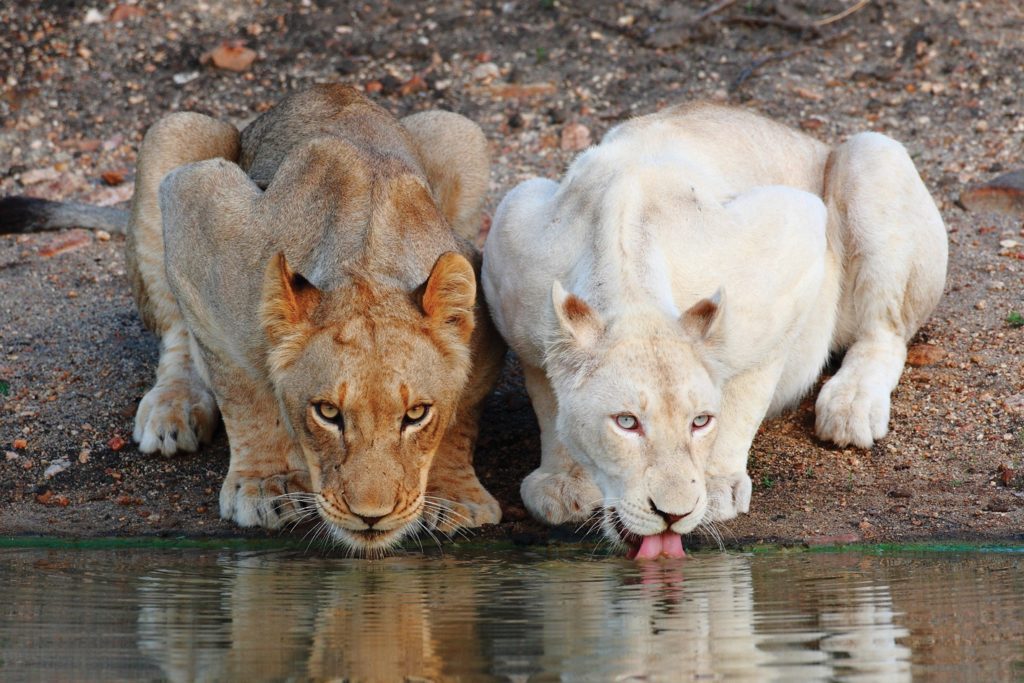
(627, 422)
(328, 413)
(701, 421)
(416, 414)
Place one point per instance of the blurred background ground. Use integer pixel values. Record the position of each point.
(83, 80)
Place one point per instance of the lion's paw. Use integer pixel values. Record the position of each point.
(728, 496)
(459, 502)
(175, 416)
(558, 497)
(852, 410)
(270, 502)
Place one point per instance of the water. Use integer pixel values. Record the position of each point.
(509, 615)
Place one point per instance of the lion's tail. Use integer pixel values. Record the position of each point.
(28, 214)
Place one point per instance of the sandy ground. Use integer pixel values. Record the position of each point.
(84, 80)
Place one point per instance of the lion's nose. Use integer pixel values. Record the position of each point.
(370, 521)
(370, 514)
(669, 517)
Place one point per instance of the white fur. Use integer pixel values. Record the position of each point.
(815, 250)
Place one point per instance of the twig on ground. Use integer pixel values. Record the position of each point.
(748, 71)
(713, 9)
(790, 21)
(839, 16)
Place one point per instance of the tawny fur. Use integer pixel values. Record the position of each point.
(320, 257)
(705, 261)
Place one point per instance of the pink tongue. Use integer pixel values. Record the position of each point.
(665, 544)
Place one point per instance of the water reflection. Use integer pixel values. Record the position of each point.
(194, 616)
(567, 620)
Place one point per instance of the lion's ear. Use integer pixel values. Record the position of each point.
(577, 319)
(288, 299)
(703, 320)
(449, 295)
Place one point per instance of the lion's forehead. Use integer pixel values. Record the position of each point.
(393, 362)
(658, 374)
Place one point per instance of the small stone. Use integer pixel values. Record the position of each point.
(981, 126)
(84, 455)
(102, 236)
(996, 286)
(1004, 194)
(56, 467)
(185, 77)
(920, 355)
(113, 178)
(39, 175)
(116, 443)
(414, 84)
(1008, 244)
(93, 16)
(231, 55)
(487, 71)
(123, 12)
(981, 305)
(20, 444)
(11, 455)
(575, 137)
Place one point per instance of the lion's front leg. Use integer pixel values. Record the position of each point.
(560, 490)
(179, 412)
(268, 483)
(455, 497)
(893, 246)
(853, 406)
(745, 402)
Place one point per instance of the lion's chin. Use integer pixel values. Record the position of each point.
(369, 542)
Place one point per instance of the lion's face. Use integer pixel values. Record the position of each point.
(368, 382)
(638, 407)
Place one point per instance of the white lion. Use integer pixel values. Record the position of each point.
(688, 277)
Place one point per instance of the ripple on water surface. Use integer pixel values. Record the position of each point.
(508, 616)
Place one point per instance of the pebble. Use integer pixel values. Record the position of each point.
(996, 285)
(981, 305)
(184, 77)
(231, 56)
(56, 467)
(575, 137)
(920, 355)
(1004, 194)
(486, 71)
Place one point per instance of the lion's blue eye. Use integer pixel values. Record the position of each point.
(701, 421)
(627, 422)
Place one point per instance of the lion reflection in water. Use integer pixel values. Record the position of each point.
(450, 620)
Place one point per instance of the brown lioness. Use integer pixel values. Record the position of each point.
(306, 282)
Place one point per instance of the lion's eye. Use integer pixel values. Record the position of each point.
(328, 413)
(416, 414)
(701, 421)
(627, 422)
